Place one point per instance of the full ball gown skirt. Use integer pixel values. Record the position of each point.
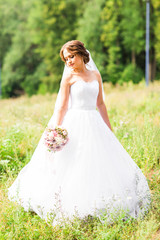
(92, 174)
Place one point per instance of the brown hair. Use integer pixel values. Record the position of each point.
(75, 47)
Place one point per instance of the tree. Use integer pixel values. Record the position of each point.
(111, 16)
(9, 20)
(19, 61)
(133, 27)
(52, 23)
(90, 30)
(155, 61)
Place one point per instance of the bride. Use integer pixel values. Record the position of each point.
(93, 174)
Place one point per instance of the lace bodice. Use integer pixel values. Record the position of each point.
(84, 95)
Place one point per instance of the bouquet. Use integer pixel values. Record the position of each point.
(55, 138)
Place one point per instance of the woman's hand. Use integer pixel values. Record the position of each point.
(103, 111)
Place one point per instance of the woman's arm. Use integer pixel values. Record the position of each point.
(65, 88)
(100, 103)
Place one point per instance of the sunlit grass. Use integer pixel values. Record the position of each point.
(134, 112)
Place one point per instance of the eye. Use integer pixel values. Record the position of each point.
(66, 59)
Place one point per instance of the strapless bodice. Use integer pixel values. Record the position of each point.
(84, 95)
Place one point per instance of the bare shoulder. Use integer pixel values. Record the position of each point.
(66, 80)
(97, 75)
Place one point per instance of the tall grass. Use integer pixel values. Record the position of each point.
(134, 112)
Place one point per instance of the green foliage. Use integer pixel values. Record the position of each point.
(42, 89)
(19, 67)
(111, 38)
(52, 24)
(9, 19)
(32, 33)
(10, 149)
(19, 61)
(156, 6)
(90, 29)
(32, 83)
(131, 73)
(132, 25)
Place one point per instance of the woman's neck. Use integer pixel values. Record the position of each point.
(82, 69)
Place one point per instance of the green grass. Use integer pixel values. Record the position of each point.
(134, 112)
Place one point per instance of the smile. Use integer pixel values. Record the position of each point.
(70, 65)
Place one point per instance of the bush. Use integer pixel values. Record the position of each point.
(30, 85)
(32, 82)
(131, 73)
(42, 89)
(11, 149)
(114, 73)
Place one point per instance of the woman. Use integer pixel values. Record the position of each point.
(92, 174)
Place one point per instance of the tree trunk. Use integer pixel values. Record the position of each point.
(152, 65)
(133, 57)
(150, 70)
(152, 47)
(153, 70)
(117, 59)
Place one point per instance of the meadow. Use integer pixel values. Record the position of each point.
(134, 112)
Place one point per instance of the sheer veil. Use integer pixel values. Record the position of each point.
(90, 66)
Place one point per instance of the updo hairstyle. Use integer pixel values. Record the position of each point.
(75, 47)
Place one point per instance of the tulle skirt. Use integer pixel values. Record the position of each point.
(91, 175)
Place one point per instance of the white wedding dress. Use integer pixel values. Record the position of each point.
(92, 174)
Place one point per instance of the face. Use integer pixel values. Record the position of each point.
(72, 60)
